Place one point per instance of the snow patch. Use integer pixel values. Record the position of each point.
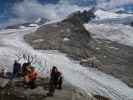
(98, 48)
(66, 39)
(38, 40)
(21, 27)
(114, 48)
(33, 25)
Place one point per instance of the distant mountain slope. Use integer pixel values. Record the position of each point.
(112, 17)
(101, 14)
(118, 33)
(70, 37)
(128, 8)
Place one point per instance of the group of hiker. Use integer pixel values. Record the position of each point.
(29, 74)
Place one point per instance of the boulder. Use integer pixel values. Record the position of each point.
(4, 82)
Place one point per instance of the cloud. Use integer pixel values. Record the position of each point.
(30, 10)
(114, 3)
(33, 9)
(121, 2)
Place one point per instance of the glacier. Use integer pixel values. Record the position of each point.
(92, 81)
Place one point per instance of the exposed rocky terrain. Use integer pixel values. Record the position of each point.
(15, 90)
(67, 37)
(70, 37)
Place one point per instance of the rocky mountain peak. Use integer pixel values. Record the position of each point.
(84, 16)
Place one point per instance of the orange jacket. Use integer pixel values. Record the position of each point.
(31, 75)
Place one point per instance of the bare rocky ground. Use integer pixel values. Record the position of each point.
(70, 37)
(15, 90)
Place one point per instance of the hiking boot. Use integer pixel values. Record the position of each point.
(50, 94)
(59, 87)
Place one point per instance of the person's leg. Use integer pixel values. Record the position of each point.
(14, 74)
(60, 83)
(26, 84)
(31, 84)
(51, 89)
(56, 84)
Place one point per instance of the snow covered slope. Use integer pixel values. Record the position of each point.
(114, 32)
(101, 14)
(106, 14)
(112, 17)
(90, 80)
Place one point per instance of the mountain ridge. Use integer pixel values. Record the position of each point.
(78, 44)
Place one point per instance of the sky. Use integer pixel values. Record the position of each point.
(115, 3)
(20, 11)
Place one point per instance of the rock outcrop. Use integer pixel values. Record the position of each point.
(15, 90)
(68, 36)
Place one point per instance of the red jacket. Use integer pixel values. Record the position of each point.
(33, 75)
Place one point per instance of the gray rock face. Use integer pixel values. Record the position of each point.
(3, 82)
(69, 37)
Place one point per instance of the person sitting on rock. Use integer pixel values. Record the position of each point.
(24, 68)
(31, 77)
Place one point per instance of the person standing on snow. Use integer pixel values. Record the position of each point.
(55, 80)
(59, 80)
(52, 81)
